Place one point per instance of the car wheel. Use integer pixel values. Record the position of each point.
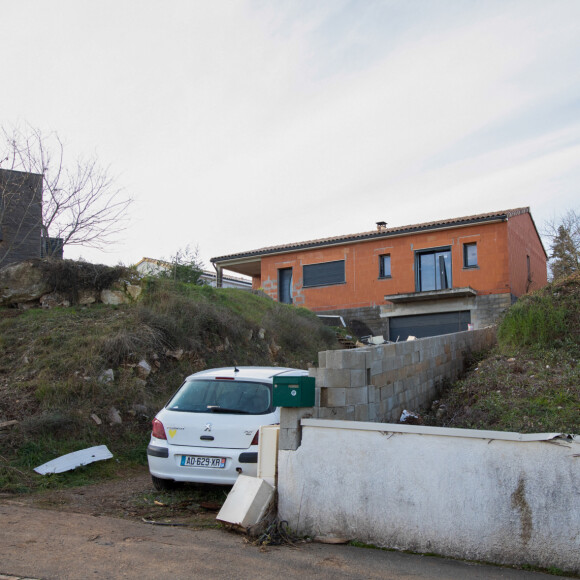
(163, 484)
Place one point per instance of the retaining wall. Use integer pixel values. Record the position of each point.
(376, 383)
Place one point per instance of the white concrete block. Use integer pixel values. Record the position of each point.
(247, 503)
(268, 453)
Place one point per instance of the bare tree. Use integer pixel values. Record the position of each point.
(564, 233)
(81, 204)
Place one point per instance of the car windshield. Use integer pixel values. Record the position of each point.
(217, 396)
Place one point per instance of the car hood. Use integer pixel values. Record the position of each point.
(231, 431)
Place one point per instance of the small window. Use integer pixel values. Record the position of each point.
(470, 255)
(324, 274)
(385, 266)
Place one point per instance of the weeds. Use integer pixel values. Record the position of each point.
(52, 364)
(530, 382)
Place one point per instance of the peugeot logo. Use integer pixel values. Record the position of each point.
(207, 427)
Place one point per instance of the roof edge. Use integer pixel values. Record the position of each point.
(392, 232)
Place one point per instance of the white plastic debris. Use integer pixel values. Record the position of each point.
(74, 460)
(406, 415)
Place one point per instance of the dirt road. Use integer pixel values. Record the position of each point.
(77, 538)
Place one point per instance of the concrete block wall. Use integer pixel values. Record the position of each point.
(376, 383)
(489, 307)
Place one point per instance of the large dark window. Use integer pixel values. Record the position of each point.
(323, 274)
(285, 285)
(433, 270)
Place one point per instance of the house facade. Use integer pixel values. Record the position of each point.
(420, 280)
(20, 216)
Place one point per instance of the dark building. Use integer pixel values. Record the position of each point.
(20, 216)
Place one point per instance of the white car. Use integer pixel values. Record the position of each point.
(208, 431)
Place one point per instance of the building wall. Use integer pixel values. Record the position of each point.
(20, 216)
(364, 288)
(523, 242)
(474, 495)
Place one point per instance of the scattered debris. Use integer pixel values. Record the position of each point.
(154, 523)
(7, 424)
(107, 376)
(143, 369)
(277, 533)
(75, 459)
(96, 419)
(410, 417)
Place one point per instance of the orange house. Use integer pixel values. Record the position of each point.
(421, 280)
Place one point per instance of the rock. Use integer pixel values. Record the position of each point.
(224, 346)
(22, 282)
(133, 291)
(115, 416)
(113, 297)
(54, 299)
(107, 376)
(139, 409)
(87, 297)
(261, 333)
(27, 305)
(176, 354)
(143, 369)
(274, 350)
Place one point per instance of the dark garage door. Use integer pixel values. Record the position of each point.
(422, 325)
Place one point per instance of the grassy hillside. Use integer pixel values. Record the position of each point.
(530, 383)
(52, 364)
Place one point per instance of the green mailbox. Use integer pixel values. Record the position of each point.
(293, 391)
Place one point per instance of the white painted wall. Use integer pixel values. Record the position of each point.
(478, 495)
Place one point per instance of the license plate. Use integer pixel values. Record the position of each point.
(195, 461)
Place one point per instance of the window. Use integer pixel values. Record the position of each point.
(285, 285)
(529, 265)
(433, 270)
(470, 255)
(324, 274)
(385, 266)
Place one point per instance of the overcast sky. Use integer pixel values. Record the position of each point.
(242, 124)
